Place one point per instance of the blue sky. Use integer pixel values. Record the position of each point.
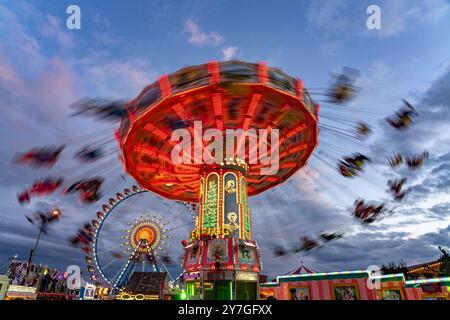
(122, 47)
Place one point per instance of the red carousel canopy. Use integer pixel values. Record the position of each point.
(225, 95)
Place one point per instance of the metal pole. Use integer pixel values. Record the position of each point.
(234, 284)
(33, 251)
(202, 285)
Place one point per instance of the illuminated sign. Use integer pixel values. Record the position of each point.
(89, 292)
(219, 232)
(191, 276)
(127, 296)
(246, 276)
(14, 288)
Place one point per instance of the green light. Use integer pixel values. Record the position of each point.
(183, 295)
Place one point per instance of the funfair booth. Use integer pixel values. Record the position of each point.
(354, 285)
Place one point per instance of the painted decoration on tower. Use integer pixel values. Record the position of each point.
(192, 256)
(232, 226)
(231, 215)
(210, 207)
(246, 254)
(245, 210)
(217, 252)
(202, 190)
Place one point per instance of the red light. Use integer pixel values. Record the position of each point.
(299, 89)
(297, 130)
(214, 70)
(299, 148)
(179, 110)
(263, 72)
(130, 114)
(164, 85)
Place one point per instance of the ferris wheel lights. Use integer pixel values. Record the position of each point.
(95, 223)
(142, 238)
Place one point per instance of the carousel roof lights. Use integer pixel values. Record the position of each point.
(425, 267)
(233, 83)
(322, 274)
(427, 281)
(394, 275)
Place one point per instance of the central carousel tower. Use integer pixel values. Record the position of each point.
(221, 259)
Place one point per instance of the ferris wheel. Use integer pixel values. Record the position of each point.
(137, 231)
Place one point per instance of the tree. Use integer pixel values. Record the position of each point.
(393, 268)
(444, 270)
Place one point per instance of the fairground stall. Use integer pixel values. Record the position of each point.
(145, 286)
(15, 292)
(354, 285)
(36, 282)
(428, 289)
(4, 282)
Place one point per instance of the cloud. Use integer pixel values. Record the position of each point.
(364, 249)
(199, 37)
(54, 28)
(36, 90)
(429, 132)
(328, 15)
(335, 24)
(341, 17)
(104, 33)
(114, 78)
(296, 208)
(9, 78)
(14, 31)
(229, 53)
(398, 16)
(419, 223)
(441, 209)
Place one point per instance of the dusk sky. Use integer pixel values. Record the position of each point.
(124, 46)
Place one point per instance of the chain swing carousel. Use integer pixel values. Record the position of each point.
(221, 260)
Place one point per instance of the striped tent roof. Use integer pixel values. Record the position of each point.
(302, 269)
